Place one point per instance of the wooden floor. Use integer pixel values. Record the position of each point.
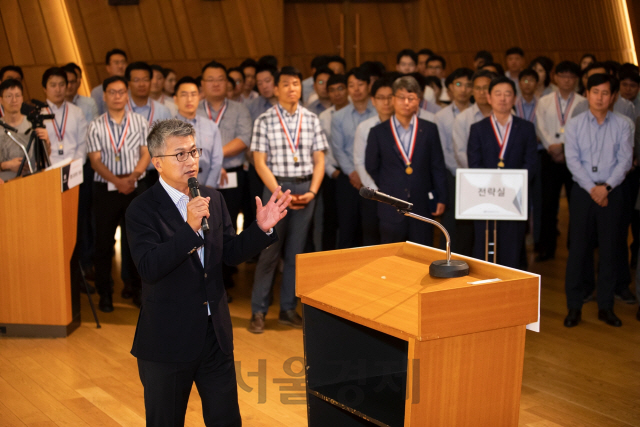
(585, 376)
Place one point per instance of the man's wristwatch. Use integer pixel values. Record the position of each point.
(608, 187)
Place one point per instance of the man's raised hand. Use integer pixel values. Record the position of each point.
(268, 216)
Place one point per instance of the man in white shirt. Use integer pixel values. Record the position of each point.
(116, 60)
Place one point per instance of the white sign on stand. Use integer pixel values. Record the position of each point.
(492, 194)
(71, 174)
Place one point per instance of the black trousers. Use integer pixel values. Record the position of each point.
(109, 208)
(370, 222)
(510, 244)
(84, 250)
(348, 209)
(252, 188)
(554, 176)
(330, 214)
(167, 387)
(586, 218)
(233, 197)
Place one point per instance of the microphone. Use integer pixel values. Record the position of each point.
(194, 188)
(9, 128)
(445, 268)
(369, 193)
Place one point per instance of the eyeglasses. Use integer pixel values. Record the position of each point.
(184, 155)
(408, 98)
(12, 97)
(117, 93)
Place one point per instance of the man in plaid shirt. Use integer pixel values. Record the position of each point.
(288, 147)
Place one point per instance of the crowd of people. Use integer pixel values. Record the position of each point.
(405, 132)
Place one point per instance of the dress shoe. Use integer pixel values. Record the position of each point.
(573, 318)
(544, 257)
(106, 303)
(127, 293)
(609, 317)
(626, 296)
(291, 318)
(256, 326)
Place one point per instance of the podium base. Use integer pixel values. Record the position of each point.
(455, 268)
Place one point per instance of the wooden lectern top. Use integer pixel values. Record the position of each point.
(388, 288)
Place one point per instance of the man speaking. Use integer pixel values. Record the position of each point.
(184, 330)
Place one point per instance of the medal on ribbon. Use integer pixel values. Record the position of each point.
(218, 118)
(293, 146)
(117, 147)
(503, 140)
(60, 129)
(406, 156)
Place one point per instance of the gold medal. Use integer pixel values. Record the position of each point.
(408, 170)
(561, 130)
(295, 159)
(500, 164)
(117, 157)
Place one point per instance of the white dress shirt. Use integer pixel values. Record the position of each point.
(74, 132)
(461, 128)
(548, 126)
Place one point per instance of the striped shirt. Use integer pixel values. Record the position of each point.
(269, 137)
(104, 133)
(180, 200)
(72, 129)
(235, 123)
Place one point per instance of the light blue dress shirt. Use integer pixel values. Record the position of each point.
(444, 120)
(97, 93)
(343, 130)
(208, 138)
(88, 107)
(597, 153)
(360, 150)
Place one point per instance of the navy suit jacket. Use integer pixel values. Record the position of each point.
(386, 166)
(483, 150)
(172, 325)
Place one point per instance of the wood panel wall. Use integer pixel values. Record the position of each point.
(458, 29)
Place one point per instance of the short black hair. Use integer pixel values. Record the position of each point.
(613, 67)
(483, 73)
(630, 75)
(249, 62)
(319, 61)
(268, 60)
(337, 79)
(139, 65)
(497, 66)
(288, 70)
(322, 70)
(237, 70)
(529, 72)
(598, 79)
(114, 52)
(53, 71)
(458, 73)
(589, 55)
(407, 52)
(185, 80)
(379, 84)
(429, 80)
(373, 68)
(14, 68)
(214, 64)
(438, 58)
(264, 67)
(158, 68)
(76, 67)
(337, 58)
(425, 52)
(359, 74)
(514, 51)
(10, 83)
(568, 67)
(70, 69)
(167, 71)
(113, 79)
(628, 67)
(484, 54)
(547, 64)
(500, 80)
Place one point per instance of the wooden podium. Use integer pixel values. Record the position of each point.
(388, 345)
(37, 238)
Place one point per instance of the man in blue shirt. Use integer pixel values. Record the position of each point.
(322, 101)
(343, 131)
(116, 61)
(598, 152)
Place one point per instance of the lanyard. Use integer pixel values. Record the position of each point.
(503, 140)
(151, 111)
(220, 113)
(117, 147)
(60, 129)
(520, 109)
(407, 156)
(594, 167)
(562, 115)
(287, 134)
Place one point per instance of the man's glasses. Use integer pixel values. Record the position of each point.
(408, 98)
(116, 92)
(184, 155)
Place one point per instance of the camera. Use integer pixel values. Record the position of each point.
(35, 117)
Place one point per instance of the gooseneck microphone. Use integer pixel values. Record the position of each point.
(370, 193)
(194, 189)
(445, 268)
